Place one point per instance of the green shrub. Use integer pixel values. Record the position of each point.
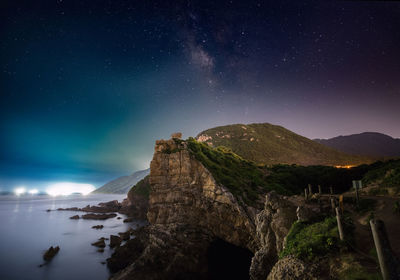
(244, 179)
(308, 241)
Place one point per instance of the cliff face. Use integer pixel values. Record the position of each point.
(189, 213)
(185, 193)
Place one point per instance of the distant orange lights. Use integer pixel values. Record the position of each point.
(344, 166)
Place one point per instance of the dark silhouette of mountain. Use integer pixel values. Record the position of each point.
(367, 143)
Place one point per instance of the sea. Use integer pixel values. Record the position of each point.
(27, 230)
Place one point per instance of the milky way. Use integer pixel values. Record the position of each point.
(88, 86)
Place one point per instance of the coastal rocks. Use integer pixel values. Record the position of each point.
(50, 253)
(103, 207)
(128, 220)
(98, 227)
(125, 235)
(125, 255)
(98, 216)
(75, 217)
(115, 241)
(100, 243)
(273, 224)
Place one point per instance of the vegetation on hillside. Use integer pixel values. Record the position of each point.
(142, 188)
(308, 241)
(386, 174)
(246, 179)
(242, 177)
(272, 144)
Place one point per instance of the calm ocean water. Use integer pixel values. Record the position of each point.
(27, 230)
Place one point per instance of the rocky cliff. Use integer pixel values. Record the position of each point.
(193, 219)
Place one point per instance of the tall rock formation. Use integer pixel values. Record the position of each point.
(189, 213)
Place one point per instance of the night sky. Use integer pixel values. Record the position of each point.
(88, 86)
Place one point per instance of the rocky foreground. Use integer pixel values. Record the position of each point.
(199, 230)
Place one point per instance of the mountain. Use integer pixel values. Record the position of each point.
(123, 184)
(367, 143)
(273, 144)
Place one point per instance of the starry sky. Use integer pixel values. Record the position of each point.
(88, 86)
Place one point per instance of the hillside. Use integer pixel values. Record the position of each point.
(367, 143)
(123, 184)
(272, 144)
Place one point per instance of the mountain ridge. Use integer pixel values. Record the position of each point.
(272, 144)
(123, 184)
(366, 143)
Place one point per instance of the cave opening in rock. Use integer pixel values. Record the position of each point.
(227, 261)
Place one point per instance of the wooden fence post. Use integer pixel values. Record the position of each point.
(387, 261)
(333, 205)
(310, 190)
(319, 189)
(331, 189)
(339, 223)
(305, 194)
(355, 186)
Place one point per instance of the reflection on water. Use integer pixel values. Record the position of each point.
(27, 230)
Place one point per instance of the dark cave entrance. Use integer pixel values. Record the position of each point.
(227, 261)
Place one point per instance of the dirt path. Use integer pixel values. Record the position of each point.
(384, 211)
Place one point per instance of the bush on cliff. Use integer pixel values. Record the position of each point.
(141, 188)
(243, 178)
(307, 241)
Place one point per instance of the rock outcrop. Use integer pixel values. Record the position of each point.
(188, 212)
(273, 224)
(291, 268)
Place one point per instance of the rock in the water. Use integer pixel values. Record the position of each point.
(69, 209)
(50, 253)
(125, 255)
(125, 235)
(100, 250)
(100, 243)
(76, 217)
(98, 216)
(119, 218)
(115, 241)
(128, 220)
(98, 227)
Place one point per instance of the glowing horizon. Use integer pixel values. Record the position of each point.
(67, 188)
(19, 190)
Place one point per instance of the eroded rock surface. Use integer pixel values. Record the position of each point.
(291, 268)
(187, 211)
(273, 224)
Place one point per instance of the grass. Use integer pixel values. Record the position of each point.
(308, 241)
